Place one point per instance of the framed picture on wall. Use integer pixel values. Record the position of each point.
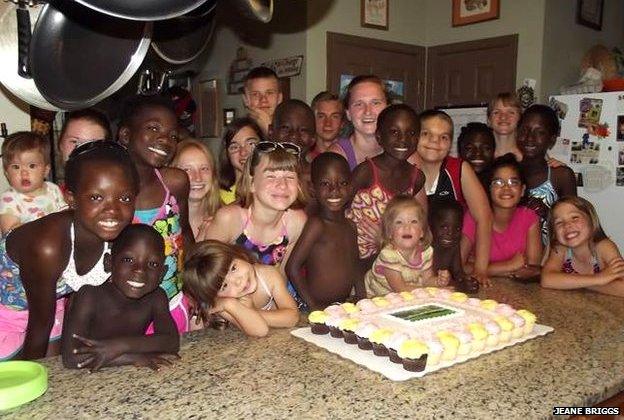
(466, 12)
(374, 14)
(589, 13)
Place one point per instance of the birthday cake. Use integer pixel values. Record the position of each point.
(423, 327)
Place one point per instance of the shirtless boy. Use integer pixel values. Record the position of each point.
(105, 325)
(327, 247)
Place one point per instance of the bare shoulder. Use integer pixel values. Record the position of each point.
(176, 179)
(607, 250)
(269, 273)
(232, 213)
(564, 173)
(362, 176)
(227, 223)
(46, 238)
(295, 220)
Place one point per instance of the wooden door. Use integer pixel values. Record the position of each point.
(471, 73)
(392, 61)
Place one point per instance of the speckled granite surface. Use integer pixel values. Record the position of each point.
(223, 374)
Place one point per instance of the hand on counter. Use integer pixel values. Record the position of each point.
(100, 352)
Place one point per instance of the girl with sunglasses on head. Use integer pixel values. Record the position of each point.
(515, 246)
(267, 219)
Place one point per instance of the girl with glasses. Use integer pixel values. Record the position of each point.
(239, 140)
(515, 246)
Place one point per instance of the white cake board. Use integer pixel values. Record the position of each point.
(395, 371)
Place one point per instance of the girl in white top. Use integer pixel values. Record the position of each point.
(26, 164)
(227, 282)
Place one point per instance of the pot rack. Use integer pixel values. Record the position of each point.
(51, 50)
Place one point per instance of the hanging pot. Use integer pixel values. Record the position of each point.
(147, 10)
(79, 57)
(261, 10)
(183, 39)
(21, 86)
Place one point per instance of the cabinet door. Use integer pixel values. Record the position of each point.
(392, 61)
(470, 73)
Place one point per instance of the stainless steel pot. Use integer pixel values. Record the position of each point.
(261, 10)
(182, 39)
(22, 87)
(79, 57)
(147, 10)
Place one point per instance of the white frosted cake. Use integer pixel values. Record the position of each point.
(422, 327)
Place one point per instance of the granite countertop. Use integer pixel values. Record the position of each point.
(225, 374)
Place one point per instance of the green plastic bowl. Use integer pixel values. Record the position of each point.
(20, 382)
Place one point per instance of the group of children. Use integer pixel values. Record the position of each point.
(305, 230)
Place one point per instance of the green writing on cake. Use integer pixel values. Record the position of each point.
(423, 312)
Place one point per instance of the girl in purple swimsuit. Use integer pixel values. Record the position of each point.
(366, 97)
(149, 129)
(581, 255)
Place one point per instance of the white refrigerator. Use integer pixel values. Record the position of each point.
(592, 144)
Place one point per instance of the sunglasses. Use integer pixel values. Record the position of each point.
(83, 148)
(270, 146)
(500, 183)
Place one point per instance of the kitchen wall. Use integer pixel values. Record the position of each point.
(565, 42)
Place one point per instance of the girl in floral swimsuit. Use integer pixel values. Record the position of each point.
(377, 180)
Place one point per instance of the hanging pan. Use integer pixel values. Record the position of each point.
(143, 9)
(79, 57)
(15, 71)
(183, 39)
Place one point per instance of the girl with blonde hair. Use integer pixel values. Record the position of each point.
(196, 159)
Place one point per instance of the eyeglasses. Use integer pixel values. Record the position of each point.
(236, 148)
(500, 183)
(270, 146)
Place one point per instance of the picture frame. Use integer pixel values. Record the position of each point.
(589, 13)
(374, 14)
(466, 12)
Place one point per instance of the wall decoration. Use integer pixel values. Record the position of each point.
(589, 13)
(229, 115)
(285, 67)
(374, 14)
(620, 128)
(619, 176)
(238, 70)
(466, 12)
